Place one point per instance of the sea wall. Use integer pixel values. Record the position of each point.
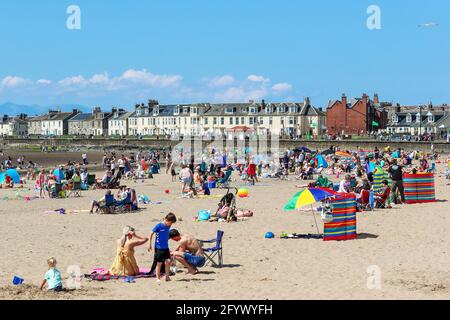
(108, 144)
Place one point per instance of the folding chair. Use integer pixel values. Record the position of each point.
(225, 181)
(211, 253)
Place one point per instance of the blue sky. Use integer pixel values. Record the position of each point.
(224, 50)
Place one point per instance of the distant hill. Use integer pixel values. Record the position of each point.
(12, 109)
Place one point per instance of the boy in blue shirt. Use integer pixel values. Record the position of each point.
(162, 252)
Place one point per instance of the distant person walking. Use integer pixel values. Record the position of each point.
(85, 159)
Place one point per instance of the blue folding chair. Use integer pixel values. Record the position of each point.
(211, 253)
(225, 181)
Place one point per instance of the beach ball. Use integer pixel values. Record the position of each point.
(243, 193)
(269, 235)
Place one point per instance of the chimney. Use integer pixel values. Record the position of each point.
(344, 99)
(364, 98)
(307, 102)
(375, 99)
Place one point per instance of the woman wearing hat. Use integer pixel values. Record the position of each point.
(125, 264)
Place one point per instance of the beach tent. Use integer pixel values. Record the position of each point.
(419, 188)
(15, 177)
(321, 162)
(327, 152)
(304, 149)
(59, 174)
(343, 226)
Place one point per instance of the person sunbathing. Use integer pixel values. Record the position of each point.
(189, 252)
(125, 263)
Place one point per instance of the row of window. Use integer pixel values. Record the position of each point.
(430, 117)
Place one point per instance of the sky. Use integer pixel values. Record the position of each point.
(184, 51)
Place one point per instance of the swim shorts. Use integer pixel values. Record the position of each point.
(195, 261)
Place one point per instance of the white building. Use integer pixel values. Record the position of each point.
(13, 127)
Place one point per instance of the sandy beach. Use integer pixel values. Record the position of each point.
(408, 243)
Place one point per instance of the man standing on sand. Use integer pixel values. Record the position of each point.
(396, 173)
(189, 252)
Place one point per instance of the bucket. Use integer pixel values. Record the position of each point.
(17, 281)
(212, 184)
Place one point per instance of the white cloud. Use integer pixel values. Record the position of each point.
(44, 82)
(13, 81)
(236, 94)
(146, 78)
(255, 78)
(70, 81)
(221, 81)
(281, 87)
(99, 79)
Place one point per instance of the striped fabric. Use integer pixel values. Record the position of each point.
(419, 188)
(343, 226)
(378, 177)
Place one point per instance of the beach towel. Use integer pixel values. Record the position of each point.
(419, 188)
(101, 274)
(343, 226)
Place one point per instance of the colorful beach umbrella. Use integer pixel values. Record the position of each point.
(307, 197)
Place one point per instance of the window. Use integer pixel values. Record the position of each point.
(430, 117)
(408, 118)
(237, 121)
(250, 120)
(242, 120)
(229, 110)
(206, 120)
(293, 109)
(394, 118)
(231, 121)
(222, 121)
(214, 121)
(271, 121)
(291, 120)
(261, 120)
(418, 117)
(252, 110)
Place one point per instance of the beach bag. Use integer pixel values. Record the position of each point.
(204, 215)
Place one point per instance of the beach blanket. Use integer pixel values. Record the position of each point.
(343, 226)
(419, 188)
(101, 274)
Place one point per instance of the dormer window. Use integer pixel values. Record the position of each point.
(269, 109)
(252, 110)
(194, 110)
(229, 110)
(293, 109)
(394, 118)
(418, 117)
(408, 118)
(155, 111)
(430, 117)
(186, 110)
(138, 112)
(177, 111)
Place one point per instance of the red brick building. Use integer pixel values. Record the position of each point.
(355, 116)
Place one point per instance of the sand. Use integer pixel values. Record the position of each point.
(409, 245)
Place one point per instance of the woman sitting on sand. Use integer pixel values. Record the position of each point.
(125, 263)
